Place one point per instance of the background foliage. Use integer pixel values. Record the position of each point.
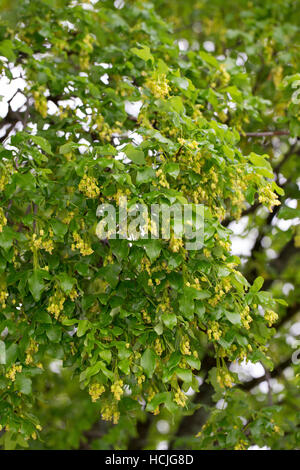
(100, 340)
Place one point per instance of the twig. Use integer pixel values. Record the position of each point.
(266, 133)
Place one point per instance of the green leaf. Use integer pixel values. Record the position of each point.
(124, 366)
(152, 248)
(169, 319)
(175, 103)
(157, 400)
(194, 362)
(105, 150)
(186, 307)
(174, 360)
(11, 354)
(234, 318)
(143, 53)
(106, 355)
(2, 352)
(82, 268)
(83, 326)
(196, 294)
(257, 285)
(25, 181)
(6, 50)
(54, 333)
(184, 374)
(134, 154)
(59, 229)
(209, 59)
(7, 237)
(23, 384)
(146, 175)
(148, 362)
(90, 371)
(43, 143)
(288, 213)
(42, 317)
(110, 273)
(262, 164)
(36, 285)
(172, 169)
(66, 282)
(68, 147)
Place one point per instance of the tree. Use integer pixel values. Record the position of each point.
(101, 339)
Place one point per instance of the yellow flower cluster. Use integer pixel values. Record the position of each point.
(95, 391)
(88, 186)
(218, 296)
(226, 284)
(151, 394)
(30, 351)
(246, 317)
(84, 248)
(162, 180)
(56, 304)
(214, 332)
(117, 389)
(175, 244)
(141, 379)
(225, 245)
(158, 85)
(195, 283)
(73, 294)
(67, 218)
(110, 413)
(158, 347)
(193, 145)
(196, 112)
(106, 132)
(224, 75)
(267, 197)
(11, 374)
(120, 193)
(165, 305)
(146, 265)
(3, 181)
(185, 347)
(180, 398)
(3, 219)
(38, 243)
(86, 49)
(146, 316)
(3, 297)
(241, 445)
(40, 101)
(6, 172)
(194, 161)
(69, 156)
(224, 379)
(60, 45)
(271, 317)
(276, 429)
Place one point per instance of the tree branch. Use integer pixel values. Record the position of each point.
(266, 133)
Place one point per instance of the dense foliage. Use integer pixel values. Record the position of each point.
(100, 339)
